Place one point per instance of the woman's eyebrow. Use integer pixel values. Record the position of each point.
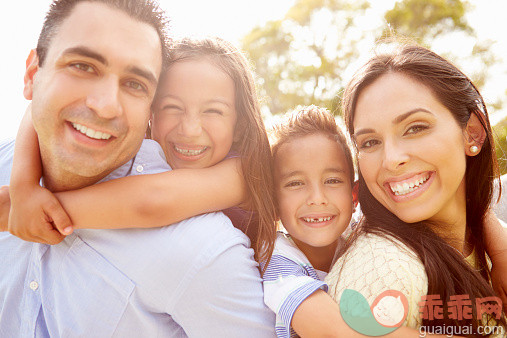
(363, 131)
(396, 120)
(406, 115)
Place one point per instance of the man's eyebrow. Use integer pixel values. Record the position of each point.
(87, 53)
(143, 73)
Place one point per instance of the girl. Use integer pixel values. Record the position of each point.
(426, 169)
(207, 120)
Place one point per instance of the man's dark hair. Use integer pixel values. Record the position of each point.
(146, 11)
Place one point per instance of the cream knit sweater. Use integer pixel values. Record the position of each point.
(374, 264)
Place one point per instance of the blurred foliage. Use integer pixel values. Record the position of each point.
(500, 134)
(301, 58)
(426, 21)
(428, 18)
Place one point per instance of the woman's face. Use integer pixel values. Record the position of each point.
(194, 114)
(411, 150)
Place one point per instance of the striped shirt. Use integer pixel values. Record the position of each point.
(288, 280)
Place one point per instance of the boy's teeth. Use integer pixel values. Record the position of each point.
(405, 188)
(317, 220)
(190, 152)
(90, 132)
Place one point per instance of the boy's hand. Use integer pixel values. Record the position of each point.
(5, 206)
(36, 215)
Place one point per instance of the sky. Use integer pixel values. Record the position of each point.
(21, 21)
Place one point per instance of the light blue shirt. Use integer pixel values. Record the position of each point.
(196, 278)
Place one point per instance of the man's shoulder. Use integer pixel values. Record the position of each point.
(208, 235)
(149, 159)
(213, 231)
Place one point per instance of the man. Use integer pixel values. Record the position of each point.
(96, 65)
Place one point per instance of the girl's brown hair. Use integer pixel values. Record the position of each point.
(252, 145)
(448, 273)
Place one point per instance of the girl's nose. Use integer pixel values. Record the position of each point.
(190, 126)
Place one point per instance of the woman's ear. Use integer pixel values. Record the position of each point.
(474, 135)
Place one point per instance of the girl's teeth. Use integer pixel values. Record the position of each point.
(406, 188)
(190, 152)
(90, 132)
(317, 220)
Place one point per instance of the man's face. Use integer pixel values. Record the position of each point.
(91, 97)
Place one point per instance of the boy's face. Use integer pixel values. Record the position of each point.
(314, 191)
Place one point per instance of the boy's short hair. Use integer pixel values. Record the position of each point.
(308, 120)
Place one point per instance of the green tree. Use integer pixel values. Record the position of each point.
(302, 58)
(428, 21)
(500, 134)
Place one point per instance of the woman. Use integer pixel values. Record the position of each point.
(427, 164)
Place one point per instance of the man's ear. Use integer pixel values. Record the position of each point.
(32, 66)
(474, 135)
(355, 193)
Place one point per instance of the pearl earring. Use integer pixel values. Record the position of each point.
(474, 149)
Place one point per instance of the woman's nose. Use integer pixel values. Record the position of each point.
(395, 156)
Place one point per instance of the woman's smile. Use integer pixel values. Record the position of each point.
(409, 188)
(411, 150)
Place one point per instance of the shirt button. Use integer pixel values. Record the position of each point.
(34, 285)
(139, 168)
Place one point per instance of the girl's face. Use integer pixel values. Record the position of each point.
(411, 150)
(314, 191)
(194, 114)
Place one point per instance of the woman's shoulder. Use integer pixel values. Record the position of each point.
(374, 245)
(374, 264)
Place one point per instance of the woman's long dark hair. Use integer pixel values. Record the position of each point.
(448, 273)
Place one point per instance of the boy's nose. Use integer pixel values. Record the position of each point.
(317, 196)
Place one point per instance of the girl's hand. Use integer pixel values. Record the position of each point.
(499, 282)
(496, 246)
(37, 215)
(5, 206)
